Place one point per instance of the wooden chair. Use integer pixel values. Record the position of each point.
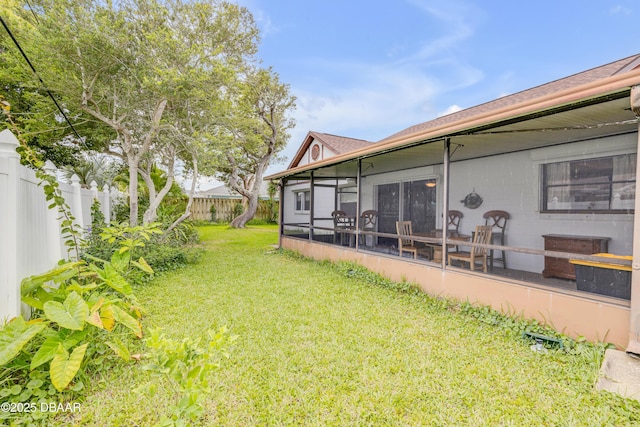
(368, 220)
(498, 222)
(482, 235)
(406, 244)
(341, 223)
(453, 225)
(453, 221)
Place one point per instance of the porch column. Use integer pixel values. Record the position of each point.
(283, 181)
(311, 206)
(445, 200)
(358, 176)
(634, 327)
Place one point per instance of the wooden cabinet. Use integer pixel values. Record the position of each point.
(561, 267)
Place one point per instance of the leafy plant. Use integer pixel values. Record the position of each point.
(69, 301)
(80, 309)
(187, 364)
(212, 211)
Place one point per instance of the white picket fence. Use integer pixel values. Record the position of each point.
(30, 238)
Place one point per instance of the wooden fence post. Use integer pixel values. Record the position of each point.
(9, 280)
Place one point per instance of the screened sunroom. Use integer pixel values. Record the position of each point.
(525, 203)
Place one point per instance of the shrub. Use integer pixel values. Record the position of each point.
(162, 251)
(212, 210)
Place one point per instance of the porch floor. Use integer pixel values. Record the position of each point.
(528, 276)
(521, 275)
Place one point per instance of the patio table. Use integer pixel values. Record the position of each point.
(437, 234)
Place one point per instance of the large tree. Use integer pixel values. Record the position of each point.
(34, 110)
(254, 134)
(150, 70)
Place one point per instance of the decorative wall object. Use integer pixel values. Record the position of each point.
(472, 200)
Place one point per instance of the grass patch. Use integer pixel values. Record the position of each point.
(324, 344)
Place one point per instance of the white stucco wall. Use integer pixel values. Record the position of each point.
(325, 153)
(512, 182)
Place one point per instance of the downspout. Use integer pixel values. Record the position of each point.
(634, 315)
(445, 200)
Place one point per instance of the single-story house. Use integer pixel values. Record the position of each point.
(223, 200)
(549, 171)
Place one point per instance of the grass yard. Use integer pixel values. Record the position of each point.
(317, 347)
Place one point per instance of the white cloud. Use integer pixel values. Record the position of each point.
(620, 10)
(455, 16)
(372, 99)
(450, 110)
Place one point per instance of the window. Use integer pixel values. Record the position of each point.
(303, 201)
(602, 184)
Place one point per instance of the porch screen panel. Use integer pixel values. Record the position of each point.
(388, 196)
(599, 184)
(419, 204)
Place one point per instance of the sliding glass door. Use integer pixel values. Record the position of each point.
(388, 196)
(414, 201)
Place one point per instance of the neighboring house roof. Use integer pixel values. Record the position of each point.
(602, 82)
(224, 192)
(334, 143)
(594, 74)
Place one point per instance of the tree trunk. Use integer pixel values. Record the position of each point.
(187, 210)
(133, 190)
(250, 211)
(151, 214)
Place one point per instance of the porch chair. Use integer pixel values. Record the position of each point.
(453, 225)
(341, 224)
(498, 222)
(482, 235)
(406, 244)
(368, 220)
(453, 221)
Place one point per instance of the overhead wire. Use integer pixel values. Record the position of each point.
(26, 58)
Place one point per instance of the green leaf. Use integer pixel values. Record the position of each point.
(43, 295)
(33, 302)
(58, 275)
(112, 278)
(120, 261)
(46, 352)
(127, 320)
(15, 335)
(120, 349)
(142, 265)
(48, 349)
(75, 286)
(64, 366)
(71, 314)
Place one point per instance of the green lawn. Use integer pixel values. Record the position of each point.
(316, 347)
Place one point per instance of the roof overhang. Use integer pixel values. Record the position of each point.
(565, 116)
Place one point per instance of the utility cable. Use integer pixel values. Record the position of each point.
(24, 55)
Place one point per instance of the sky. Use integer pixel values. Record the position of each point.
(370, 68)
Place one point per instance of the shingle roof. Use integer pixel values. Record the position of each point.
(337, 144)
(608, 70)
(224, 192)
(340, 144)
(617, 76)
